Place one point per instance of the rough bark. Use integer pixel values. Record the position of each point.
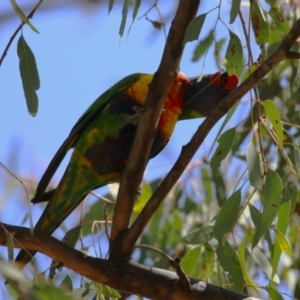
(121, 247)
(129, 277)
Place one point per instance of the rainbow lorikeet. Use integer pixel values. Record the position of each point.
(102, 139)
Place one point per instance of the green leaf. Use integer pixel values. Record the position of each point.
(218, 48)
(283, 243)
(124, 17)
(29, 75)
(297, 161)
(209, 263)
(48, 291)
(285, 180)
(294, 199)
(234, 53)
(220, 271)
(143, 198)
(273, 293)
(199, 236)
(225, 143)
(282, 223)
(79, 294)
(231, 264)
(10, 245)
(228, 215)
(278, 19)
(177, 221)
(227, 118)
(254, 166)
(67, 283)
(107, 291)
(271, 197)
(246, 275)
(203, 46)
(255, 216)
(274, 117)
(296, 81)
(250, 71)
(22, 15)
(193, 30)
(190, 261)
(137, 4)
(284, 210)
(110, 292)
(259, 22)
(71, 236)
(220, 189)
(207, 186)
(235, 7)
(110, 5)
(263, 262)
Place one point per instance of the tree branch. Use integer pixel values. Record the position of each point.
(147, 128)
(129, 277)
(293, 55)
(190, 149)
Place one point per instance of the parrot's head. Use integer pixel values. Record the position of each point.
(202, 96)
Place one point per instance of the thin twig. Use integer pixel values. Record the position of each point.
(184, 280)
(25, 189)
(107, 201)
(17, 30)
(162, 253)
(14, 176)
(106, 221)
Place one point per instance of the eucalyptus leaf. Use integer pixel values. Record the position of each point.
(228, 215)
(254, 166)
(29, 75)
(271, 198)
(234, 53)
(274, 117)
(225, 143)
(193, 30)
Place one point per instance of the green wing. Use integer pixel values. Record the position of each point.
(84, 121)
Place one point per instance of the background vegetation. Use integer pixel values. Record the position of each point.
(233, 217)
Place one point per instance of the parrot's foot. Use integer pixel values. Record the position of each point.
(134, 119)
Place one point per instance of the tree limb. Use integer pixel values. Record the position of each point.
(129, 277)
(139, 155)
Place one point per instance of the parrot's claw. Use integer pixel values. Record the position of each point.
(134, 119)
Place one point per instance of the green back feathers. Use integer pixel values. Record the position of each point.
(84, 121)
(104, 99)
